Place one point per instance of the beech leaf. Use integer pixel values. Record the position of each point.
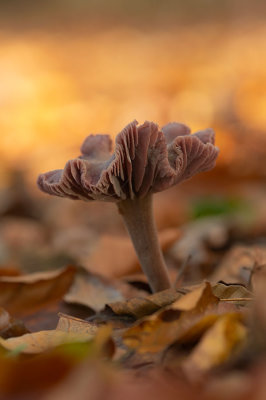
(184, 321)
(95, 291)
(38, 342)
(70, 324)
(139, 307)
(217, 344)
(22, 295)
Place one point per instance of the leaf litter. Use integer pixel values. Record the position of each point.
(75, 330)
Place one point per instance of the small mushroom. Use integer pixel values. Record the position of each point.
(145, 160)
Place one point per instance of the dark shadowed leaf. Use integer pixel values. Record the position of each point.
(140, 306)
(10, 327)
(235, 294)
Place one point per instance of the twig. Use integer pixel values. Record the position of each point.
(238, 299)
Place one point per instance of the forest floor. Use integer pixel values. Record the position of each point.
(78, 320)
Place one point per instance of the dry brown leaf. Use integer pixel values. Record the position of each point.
(193, 246)
(238, 264)
(199, 298)
(184, 321)
(155, 335)
(115, 256)
(47, 317)
(102, 336)
(25, 294)
(218, 344)
(95, 291)
(29, 375)
(38, 342)
(92, 290)
(69, 330)
(139, 307)
(70, 324)
(236, 294)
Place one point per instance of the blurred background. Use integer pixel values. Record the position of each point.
(71, 68)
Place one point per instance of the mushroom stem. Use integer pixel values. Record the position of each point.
(139, 220)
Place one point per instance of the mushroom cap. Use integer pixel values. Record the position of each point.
(145, 160)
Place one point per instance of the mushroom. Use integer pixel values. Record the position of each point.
(145, 160)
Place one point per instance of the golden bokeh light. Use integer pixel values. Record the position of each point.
(56, 89)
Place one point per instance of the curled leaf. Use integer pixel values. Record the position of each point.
(139, 307)
(184, 321)
(218, 343)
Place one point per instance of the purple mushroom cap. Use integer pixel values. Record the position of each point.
(145, 160)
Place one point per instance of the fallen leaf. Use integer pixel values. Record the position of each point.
(141, 306)
(10, 327)
(70, 324)
(155, 335)
(47, 318)
(238, 264)
(95, 291)
(114, 256)
(38, 342)
(25, 294)
(103, 343)
(236, 294)
(184, 321)
(217, 344)
(198, 299)
(32, 376)
(194, 245)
